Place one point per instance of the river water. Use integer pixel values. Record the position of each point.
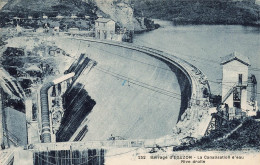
(204, 45)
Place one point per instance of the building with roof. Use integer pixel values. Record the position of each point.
(59, 16)
(235, 81)
(16, 18)
(73, 16)
(104, 28)
(235, 56)
(73, 30)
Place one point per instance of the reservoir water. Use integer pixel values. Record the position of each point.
(204, 45)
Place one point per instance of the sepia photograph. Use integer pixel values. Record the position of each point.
(129, 82)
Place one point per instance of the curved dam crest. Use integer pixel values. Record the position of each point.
(123, 108)
(192, 85)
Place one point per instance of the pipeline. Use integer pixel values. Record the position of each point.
(79, 64)
(74, 64)
(79, 69)
(46, 136)
(45, 117)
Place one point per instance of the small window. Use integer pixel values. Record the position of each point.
(240, 79)
(34, 112)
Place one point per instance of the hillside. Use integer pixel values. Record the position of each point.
(200, 11)
(65, 7)
(119, 10)
(246, 136)
(127, 13)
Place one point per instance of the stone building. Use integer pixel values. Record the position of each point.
(104, 28)
(236, 85)
(235, 80)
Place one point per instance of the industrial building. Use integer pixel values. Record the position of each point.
(235, 85)
(104, 28)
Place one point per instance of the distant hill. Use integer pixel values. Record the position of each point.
(244, 12)
(65, 7)
(128, 13)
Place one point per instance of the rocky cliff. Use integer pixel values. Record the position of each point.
(2, 3)
(120, 11)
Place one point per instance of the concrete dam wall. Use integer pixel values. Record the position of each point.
(185, 87)
(78, 108)
(190, 81)
(132, 92)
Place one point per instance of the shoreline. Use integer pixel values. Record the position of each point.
(201, 23)
(161, 23)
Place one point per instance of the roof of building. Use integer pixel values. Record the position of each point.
(235, 56)
(59, 16)
(74, 28)
(104, 20)
(33, 68)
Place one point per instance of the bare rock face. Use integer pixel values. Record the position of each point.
(121, 12)
(2, 3)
